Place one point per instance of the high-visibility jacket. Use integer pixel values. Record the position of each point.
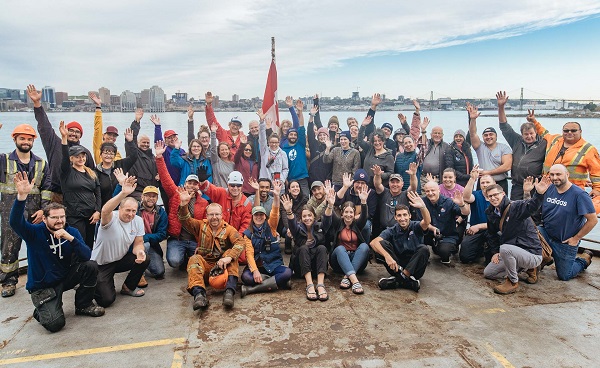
(37, 173)
(581, 159)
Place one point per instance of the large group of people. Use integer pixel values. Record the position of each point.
(234, 203)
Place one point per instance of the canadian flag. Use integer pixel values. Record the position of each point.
(270, 106)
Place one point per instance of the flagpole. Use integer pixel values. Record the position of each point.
(273, 49)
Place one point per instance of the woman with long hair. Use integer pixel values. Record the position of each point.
(192, 162)
(245, 162)
(221, 159)
(81, 189)
(310, 255)
(298, 202)
(351, 252)
(265, 270)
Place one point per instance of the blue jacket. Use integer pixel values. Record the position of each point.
(49, 258)
(296, 155)
(188, 165)
(270, 257)
(159, 229)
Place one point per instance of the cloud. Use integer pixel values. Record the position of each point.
(195, 46)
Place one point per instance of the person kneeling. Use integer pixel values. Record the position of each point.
(119, 246)
(513, 236)
(219, 244)
(265, 270)
(351, 252)
(402, 247)
(58, 261)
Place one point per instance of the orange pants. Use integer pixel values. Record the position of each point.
(198, 269)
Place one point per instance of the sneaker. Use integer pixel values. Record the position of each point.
(388, 283)
(587, 255)
(410, 283)
(508, 287)
(228, 298)
(445, 261)
(200, 301)
(8, 290)
(92, 310)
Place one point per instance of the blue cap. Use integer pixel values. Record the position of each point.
(361, 175)
(387, 125)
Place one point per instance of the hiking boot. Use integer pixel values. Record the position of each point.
(8, 290)
(92, 310)
(410, 283)
(587, 255)
(200, 301)
(508, 287)
(532, 275)
(388, 283)
(228, 298)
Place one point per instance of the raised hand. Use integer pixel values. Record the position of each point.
(202, 175)
(314, 110)
(416, 104)
(501, 98)
(530, 115)
(253, 183)
(289, 101)
(129, 185)
(286, 202)
(22, 185)
(119, 175)
(299, 105)
(528, 184)
(214, 128)
(330, 196)
(472, 110)
(159, 149)
(347, 180)
(402, 118)
(415, 200)
(367, 120)
(363, 194)
(177, 143)
(62, 128)
(269, 123)
(376, 100)
(208, 97)
(328, 143)
(376, 170)
(412, 169)
(327, 185)
(277, 187)
(155, 119)
(184, 196)
(128, 134)
(94, 97)
(139, 114)
(430, 177)
(475, 172)
(458, 198)
(190, 112)
(243, 138)
(34, 95)
(543, 184)
(261, 115)
(425, 123)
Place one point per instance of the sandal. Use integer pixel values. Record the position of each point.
(309, 295)
(357, 288)
(321, 297)
(137, 292)
(345, 284)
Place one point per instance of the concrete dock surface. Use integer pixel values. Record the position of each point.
(455, 320)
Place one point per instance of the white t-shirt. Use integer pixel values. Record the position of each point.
(115, 238)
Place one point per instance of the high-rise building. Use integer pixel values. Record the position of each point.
(235, 98)
(104, 94)
(10, 94)
(215, 101)
(355, 96)
(157, 99)
(48, 96)
(115, 100)
(61, 97)
(180, 98)
(128, 101)
(145, 99)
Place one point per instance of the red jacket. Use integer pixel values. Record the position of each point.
(174, 228)
(222, 134)
(238, 216)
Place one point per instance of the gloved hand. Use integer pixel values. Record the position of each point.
(202, 174)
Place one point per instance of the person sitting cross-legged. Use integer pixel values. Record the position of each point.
(402, 247)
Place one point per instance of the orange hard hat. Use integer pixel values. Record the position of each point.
(217, 277)
(24, 129)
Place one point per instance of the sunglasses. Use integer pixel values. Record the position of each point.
(235, 185)
(570, 130)
(247, 149)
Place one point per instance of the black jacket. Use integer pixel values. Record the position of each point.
(108, 183)
(527, 160)
(461, 160)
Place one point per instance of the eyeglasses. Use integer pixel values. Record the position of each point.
(570, 130)
(494, 195)
(235, 185)
(109, 153)
(54, 218)
(213, 214)
(74, 131)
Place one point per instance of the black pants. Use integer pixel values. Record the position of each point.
(441, 247)
(305, 260)
(87, 230)
(105, 290)
(48, 302)
(473, 247)
(415, 262)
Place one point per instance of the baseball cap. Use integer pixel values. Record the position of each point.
(236, 120)
(169, 133)
(112, 129)
(396, 176)
(192, 177)
(316, 183)
(150, 189)
(75, 150)
(258, 209)
(489, 130)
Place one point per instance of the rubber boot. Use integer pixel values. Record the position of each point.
(269, 284)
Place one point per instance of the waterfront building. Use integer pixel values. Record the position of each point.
(104, 94)
(61, 97)
(128, 101)
(48, 96)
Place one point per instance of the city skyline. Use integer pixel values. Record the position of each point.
(457, 49)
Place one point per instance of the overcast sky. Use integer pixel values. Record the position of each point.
(458, 48)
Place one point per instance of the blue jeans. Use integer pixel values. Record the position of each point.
(157, 265)
(366, 231)
(178, 249)
(568, 265)
(350, 262)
